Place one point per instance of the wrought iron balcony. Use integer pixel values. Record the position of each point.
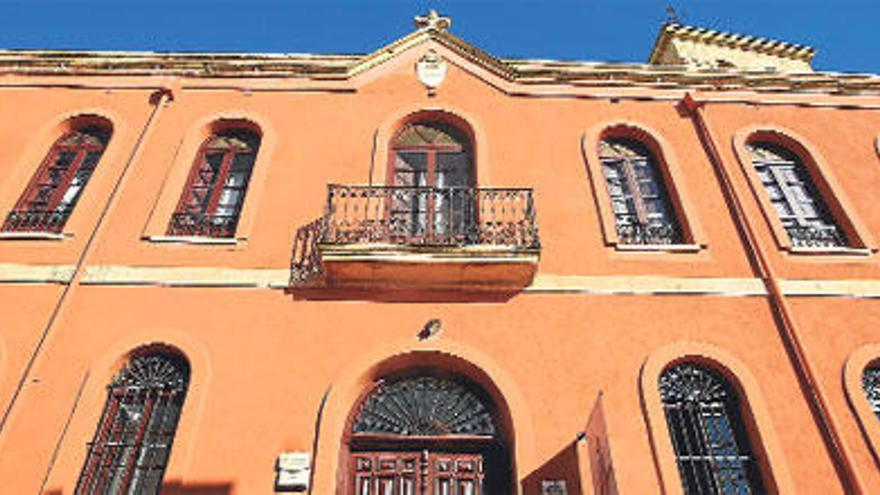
(202, 225)
(653, 234)
(459, 221)
(36, 221)
(816, 236)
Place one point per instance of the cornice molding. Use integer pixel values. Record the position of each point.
(523, 72)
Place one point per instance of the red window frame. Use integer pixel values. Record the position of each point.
(199, 216)
(430, 192)
(42, 206)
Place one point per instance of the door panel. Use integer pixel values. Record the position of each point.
(417, 473)
(386, 473)
(455, 474)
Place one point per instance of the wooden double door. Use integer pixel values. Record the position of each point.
(417, 473)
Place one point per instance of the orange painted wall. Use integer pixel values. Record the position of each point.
(263, 361)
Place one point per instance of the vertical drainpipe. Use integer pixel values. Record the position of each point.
(778, 303)
(158, 99)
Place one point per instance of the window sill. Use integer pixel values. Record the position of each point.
(34, 236)
(208, 241)
(830, 251)
(660, 248)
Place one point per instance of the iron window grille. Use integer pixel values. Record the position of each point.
(643, 212)
(133, 441)
(799, 206)
(711, 446)
(212, 199)
(53, 192)
(871, 386)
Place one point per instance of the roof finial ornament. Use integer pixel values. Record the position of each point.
(433, 21)
(672, 16)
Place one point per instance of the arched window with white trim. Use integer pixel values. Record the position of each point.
(803, 212)
(643, 210)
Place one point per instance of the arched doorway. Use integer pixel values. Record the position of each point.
(432, 173)
(426, 434)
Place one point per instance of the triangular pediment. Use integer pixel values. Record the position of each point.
(468, 52)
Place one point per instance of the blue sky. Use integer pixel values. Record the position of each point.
(845, 32)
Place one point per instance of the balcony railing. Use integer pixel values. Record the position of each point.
(202, 225)
(816, 236)
(430, 216)
(419, 217)
(652, 234)
(36, 221)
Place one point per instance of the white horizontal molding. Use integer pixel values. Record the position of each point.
(278, 278)
(622, 284)
(831, 288)
(187, 276)
(35, 274)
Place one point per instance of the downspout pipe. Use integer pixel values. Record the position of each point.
(781, 308)
(158, 99)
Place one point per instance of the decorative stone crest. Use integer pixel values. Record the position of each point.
(433, 21)
(431, 69)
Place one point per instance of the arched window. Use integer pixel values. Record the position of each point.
(798, 204)
(643, 212)
(433, 178)
(712, 448)
(871, 386)
(133, 440)
(426, 435)
(54, 190)
(212, 199)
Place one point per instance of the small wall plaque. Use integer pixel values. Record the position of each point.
(431, 69)
(553, 487)
(294, 471)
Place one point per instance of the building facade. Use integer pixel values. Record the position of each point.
(428, 270)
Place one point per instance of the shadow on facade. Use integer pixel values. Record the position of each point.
(180, 488)
(561, 467)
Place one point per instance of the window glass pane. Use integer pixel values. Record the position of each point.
(236, 179)
(453, 170)
(783, 209)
